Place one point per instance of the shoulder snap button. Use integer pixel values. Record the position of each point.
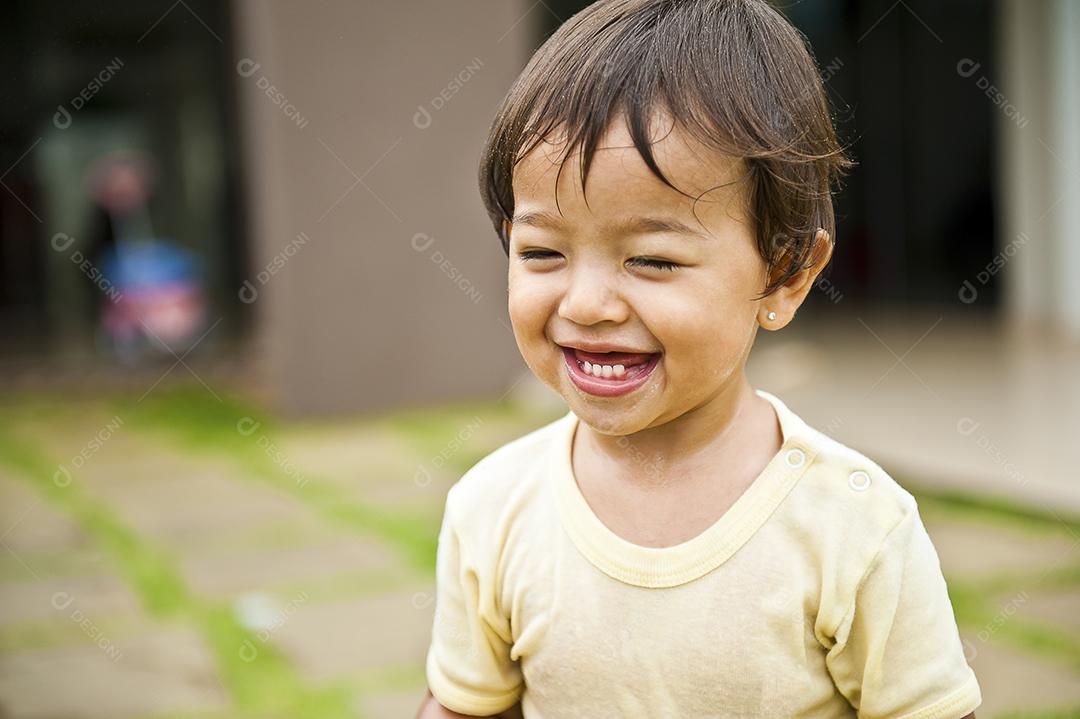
(858, 480)
(795, 458)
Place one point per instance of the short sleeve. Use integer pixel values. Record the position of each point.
(898, 651)
(469, 669)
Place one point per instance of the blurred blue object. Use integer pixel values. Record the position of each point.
(157, 303)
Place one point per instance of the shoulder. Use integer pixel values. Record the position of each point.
(844, 502)
(854, 482)
(841, 483)
(848, 514)
(858, 504)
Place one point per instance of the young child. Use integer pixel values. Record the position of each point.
(678, 544)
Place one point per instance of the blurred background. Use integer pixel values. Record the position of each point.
(254, 327)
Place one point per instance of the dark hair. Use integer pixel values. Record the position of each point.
(735, 74)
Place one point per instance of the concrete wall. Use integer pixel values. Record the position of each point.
(383, 283)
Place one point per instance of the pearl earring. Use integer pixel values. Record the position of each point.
(772, 315)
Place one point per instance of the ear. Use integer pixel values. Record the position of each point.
(789, 296)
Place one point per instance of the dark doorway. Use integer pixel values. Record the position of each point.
(84, 81)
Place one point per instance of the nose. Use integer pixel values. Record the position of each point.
(592, 296)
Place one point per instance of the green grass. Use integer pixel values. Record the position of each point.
(149, 571)
(73, 563)
(260, 681)
(994, 510)
(193, 420)
(44, 634)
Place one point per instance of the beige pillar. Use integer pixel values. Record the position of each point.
(376, 279)
(1039, 175)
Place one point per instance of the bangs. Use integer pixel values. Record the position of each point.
(732, 74)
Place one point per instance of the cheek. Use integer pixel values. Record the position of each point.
(529, 304)
(698, 312)
(704, 327)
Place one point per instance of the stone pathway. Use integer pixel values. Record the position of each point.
(1016, 590)
(186, 558)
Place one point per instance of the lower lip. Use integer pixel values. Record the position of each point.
(607, 386)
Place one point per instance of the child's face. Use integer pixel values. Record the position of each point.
(585, 285)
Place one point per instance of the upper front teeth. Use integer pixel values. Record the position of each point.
(604, 370)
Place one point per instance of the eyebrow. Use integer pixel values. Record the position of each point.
(542, 219)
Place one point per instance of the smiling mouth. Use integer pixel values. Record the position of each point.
(609, 374)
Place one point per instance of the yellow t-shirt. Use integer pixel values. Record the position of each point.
(817, 594)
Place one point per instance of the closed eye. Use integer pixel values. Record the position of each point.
(658, 264)
(535, 255)
(637, 261)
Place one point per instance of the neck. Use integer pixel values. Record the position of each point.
(710, 430)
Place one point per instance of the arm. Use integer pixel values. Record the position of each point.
(898, 650)
(432, 709)
(468, 660)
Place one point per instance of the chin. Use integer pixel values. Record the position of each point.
(610, 417)
(620, 424)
